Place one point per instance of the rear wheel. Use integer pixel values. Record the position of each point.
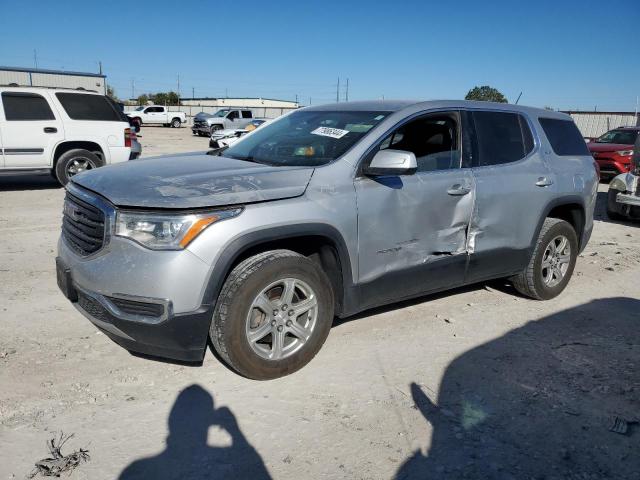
(75, 161)
(175, 123)
(552, 262)
(273, 314)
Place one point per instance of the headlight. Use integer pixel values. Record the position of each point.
(618, 184)
(167, 231)
(625, 153)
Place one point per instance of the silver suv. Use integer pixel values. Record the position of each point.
(328, 211)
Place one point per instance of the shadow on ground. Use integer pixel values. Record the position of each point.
(187, 454)
(538, 402)
(28, 182)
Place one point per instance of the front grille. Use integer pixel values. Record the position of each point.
(82, 226)
(133, 307)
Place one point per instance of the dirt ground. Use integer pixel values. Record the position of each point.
(474, 383)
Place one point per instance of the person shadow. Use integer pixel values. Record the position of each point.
(187, 455)
(558, 398)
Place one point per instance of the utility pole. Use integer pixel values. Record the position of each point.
(35, 58)
(133, 95)
(100, 67)
(338, 91)
(346, 93)
(178, 92)
(193, 93)
(296, 98)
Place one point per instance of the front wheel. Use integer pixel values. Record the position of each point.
(552, 262)
(613, 211)
(175, 123)
(215, 128)
(273, 314)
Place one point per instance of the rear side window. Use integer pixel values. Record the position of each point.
(247, 114)
(233, 115)
(564, 137)
(88, 107)
(20, 106)
(503, 137)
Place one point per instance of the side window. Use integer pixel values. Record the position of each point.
(81, 106)
(148, 110)
(247, 114)
(233, 115)
(564, 137)
(433, 139)
(20, 106)
(503, 137)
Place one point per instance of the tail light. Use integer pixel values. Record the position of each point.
(128, 135)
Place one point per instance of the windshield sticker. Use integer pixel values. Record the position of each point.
(330, 132)
(379, 117)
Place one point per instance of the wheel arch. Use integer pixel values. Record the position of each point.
(570, 209)
(65, 146)
(320, 242)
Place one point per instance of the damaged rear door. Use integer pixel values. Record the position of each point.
(412, 229)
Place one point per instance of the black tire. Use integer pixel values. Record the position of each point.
(530, 282)
(64, 164)
(175, 123)
(243, 284)
(137, 121)
(612, 211)
(215, 128)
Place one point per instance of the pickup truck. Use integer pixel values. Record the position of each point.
(221, 120)
(157, 114)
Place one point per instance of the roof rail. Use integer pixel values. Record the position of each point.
(15, 85)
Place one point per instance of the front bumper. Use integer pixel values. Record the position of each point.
(628, 199)
(139, 324)
(199, 128)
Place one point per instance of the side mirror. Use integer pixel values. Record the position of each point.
(392, 162)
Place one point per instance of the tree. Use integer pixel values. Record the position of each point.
(486, 94)
(168, 98)
(112, 93)
(143, 99)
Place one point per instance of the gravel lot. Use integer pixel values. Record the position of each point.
(474, 383)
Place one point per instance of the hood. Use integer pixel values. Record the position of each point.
(607, 147)
(193, 181)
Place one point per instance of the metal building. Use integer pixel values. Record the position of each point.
(37, 77)
(594, 124)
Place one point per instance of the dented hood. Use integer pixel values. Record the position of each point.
(193, 181)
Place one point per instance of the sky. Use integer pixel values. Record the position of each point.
(565, 54)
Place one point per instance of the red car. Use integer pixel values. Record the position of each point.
(613, 150)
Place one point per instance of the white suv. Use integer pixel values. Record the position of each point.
(61, 131)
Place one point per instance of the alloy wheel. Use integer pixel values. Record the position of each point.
(282, 318)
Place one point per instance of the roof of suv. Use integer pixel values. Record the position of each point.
(398, 105)
(39, 88)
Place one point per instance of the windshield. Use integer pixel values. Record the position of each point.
(305, 138)
(221, 113)
(139, 109)
(625, 137)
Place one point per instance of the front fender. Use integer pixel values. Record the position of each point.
(624, 182)
(232, 252)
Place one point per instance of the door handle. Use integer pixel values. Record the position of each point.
(544, 182)
(50, 129)
(458, 189)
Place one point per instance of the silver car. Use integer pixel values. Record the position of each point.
(327, 211)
